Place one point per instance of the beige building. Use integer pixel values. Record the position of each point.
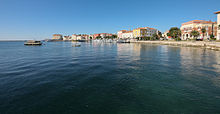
(218, 24)
(198, 25)
(127, 35)
(57, 37)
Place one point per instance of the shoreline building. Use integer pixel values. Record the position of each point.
(144, 32)
(96, 35)
(74, 37)
(66, 38)
(165, 35)
(127, 35)
(151, 31)
(218, 25)
(120, 33)
(57, 37)
(139, 32)
(198, 25)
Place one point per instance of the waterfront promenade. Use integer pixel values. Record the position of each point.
(213, 45)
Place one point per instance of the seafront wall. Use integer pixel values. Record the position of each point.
(209, 45)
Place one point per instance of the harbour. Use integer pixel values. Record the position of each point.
(108, 78)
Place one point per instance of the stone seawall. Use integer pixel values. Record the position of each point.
(208, 45)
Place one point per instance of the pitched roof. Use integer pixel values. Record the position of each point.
(217, 12)
(199, 22)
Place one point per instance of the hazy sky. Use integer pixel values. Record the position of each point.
(39, 19)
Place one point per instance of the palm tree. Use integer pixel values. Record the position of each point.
(203, 32)
(195, 34)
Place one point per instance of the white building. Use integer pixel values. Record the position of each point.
(151, 31)
(66, 38)
(218, 25)
(74, 37)
(165, 34)
(127, 35)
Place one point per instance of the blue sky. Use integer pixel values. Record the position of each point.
(39, 19)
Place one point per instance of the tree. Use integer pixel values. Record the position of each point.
(98, 37)
(203, 32)
(155, 36)
(160, 34)
(175, 32)
(114, 36)
(212, 37)
(195, 34)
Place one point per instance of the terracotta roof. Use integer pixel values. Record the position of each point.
(140, 28)
(198, 22)
(217, 12)
(57, 35)
(152, 28)
(128, 31)
(123, 30)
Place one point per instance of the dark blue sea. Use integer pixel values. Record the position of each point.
(108, 78)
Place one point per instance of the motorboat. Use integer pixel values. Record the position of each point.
(33, 42)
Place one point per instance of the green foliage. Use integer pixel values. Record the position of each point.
(175, 32)
(212, 37)
(195, 34)
(160, 34)
(203, 30)
(155, 36)
(178, 39)
(114, 36)
(98, 37)
(146, 38)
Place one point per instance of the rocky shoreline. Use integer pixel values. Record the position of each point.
(212, 45)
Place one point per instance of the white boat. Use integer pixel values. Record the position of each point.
(33, 42)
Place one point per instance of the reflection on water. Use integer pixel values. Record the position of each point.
(108, 78)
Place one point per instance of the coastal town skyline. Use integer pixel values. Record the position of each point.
(33, 22)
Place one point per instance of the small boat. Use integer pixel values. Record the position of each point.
(76, 45)
(123, 41)
(33, 42)
(82, 40)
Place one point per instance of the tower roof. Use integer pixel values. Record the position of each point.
(217, 12)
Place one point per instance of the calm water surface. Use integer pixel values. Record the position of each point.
(99, 78)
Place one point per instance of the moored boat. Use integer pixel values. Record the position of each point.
(33, 42)
(76, 45)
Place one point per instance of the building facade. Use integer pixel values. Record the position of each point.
(127, 35)
(74, 37)
(165, 34)
(151, 31)
(198, 25)
(139, 32)
(57, 37)
(120, 33)
(218, 25)
(96, 35)
(144, 32)
(66, 38)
